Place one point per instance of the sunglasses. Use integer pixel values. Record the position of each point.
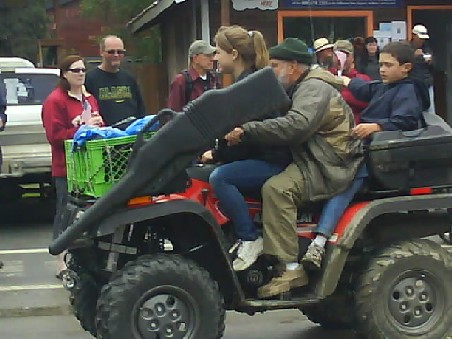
(116, 51)
(77, 70)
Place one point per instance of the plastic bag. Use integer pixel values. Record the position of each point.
(86, 133)
(137, 125)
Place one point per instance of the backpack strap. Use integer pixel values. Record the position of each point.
(188, 85)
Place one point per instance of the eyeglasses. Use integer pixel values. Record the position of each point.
(77, 70)
(116, 51)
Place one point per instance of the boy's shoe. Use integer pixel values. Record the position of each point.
(1, 264)
(288, 280)
(247, 254)
(313, 257)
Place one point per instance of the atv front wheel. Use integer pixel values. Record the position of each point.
(405, 292)
(160, 296)
(83, 299)
(333, 313)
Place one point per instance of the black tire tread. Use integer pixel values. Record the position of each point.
(130, 275)
(369, 279)
(329, 314)
(83, 300)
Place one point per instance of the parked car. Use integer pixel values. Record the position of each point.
(26, 152)
(11, 63)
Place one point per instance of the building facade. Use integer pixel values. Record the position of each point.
(182, 21)
(70, 33)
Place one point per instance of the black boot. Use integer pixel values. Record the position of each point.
(1, 264)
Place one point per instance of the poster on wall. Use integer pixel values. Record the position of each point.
(390, 31)
(241, 5)
(340, 3)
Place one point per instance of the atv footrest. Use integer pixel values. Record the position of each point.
(275, 304)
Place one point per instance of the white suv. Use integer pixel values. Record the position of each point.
(26, 152)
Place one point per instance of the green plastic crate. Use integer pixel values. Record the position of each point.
(94, 168)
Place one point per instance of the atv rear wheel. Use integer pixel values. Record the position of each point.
(160, 296)
(83, 299)
(405, 292)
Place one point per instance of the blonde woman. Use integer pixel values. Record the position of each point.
(246, 167)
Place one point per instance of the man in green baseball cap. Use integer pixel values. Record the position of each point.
(317, 129)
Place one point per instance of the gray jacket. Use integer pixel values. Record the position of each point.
(317, 128)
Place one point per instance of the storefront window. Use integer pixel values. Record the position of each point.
(332, 28)
(333, 25)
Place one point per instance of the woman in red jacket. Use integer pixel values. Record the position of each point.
(66, 108)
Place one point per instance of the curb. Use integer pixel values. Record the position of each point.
(35, 311)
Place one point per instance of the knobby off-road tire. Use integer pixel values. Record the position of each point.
(161, 296)
(332, 313)
(83, 299)
(406, 292)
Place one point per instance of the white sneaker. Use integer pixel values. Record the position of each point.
(248, 253)
(235, 246)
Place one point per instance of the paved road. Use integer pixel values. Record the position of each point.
(34, 305)
(278, 324)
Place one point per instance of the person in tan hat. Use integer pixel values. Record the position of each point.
(423, 61)
(317, 129)
(198, 78)
(324, 52)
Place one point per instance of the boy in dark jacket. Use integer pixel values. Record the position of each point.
(396, 103)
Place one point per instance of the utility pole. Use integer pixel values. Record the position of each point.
(226, 79)
(225, 12)
(56, 8)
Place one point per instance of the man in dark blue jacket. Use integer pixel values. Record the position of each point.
(395, 104)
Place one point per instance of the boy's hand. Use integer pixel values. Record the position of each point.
(362, 131)
(345, 80)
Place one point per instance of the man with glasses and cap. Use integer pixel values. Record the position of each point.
(116, 91)
(198, 78)
(423, 65)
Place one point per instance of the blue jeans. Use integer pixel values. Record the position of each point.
(228, 179)
(336, 206)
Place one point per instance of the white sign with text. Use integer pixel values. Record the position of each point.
(240, 5)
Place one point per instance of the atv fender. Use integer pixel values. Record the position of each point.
(217, 260)
(336, 255)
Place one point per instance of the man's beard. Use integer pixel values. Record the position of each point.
(282, 78)
(327, 62)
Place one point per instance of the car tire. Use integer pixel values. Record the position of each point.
(161, 296)
(405, 292)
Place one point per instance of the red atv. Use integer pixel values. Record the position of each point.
(150, 258)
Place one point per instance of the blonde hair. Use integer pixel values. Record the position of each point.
(250, 45)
